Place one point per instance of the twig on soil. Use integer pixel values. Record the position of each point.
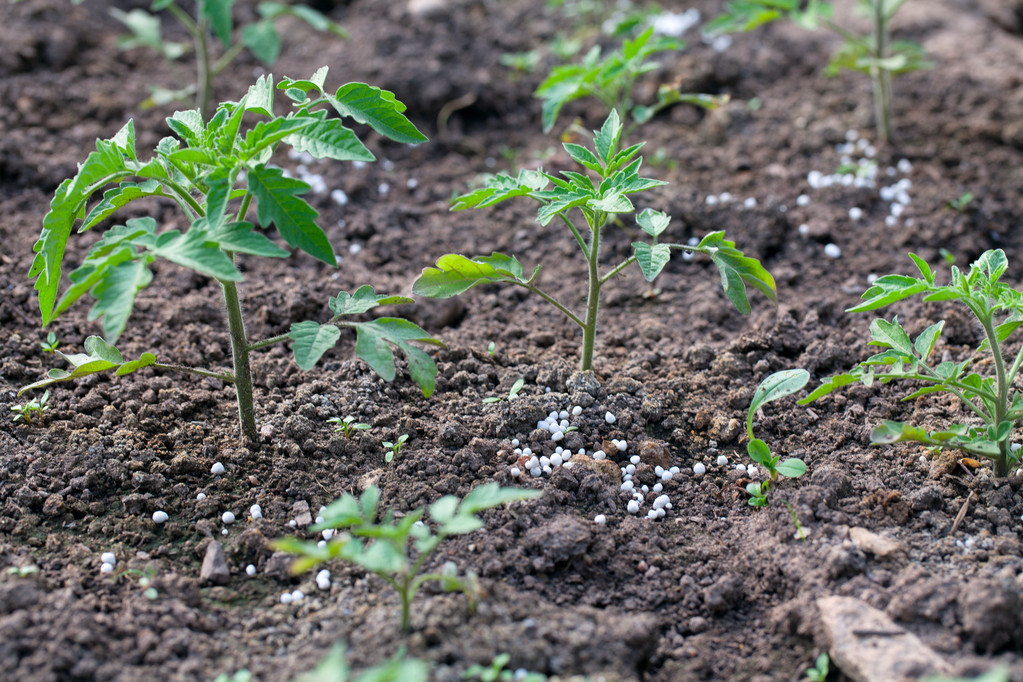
(961, 515)
(879, 633)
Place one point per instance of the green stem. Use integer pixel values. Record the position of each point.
(256, 345)
(554, 302)
(204, 75)
(240, 355)
(593, 293)
(618, 268)
(223, 376)
(227, 58)
(881, 77)
(1001, 403)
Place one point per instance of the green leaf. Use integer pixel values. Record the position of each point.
(99, 356)
(791, 468)
(374, 343)
(887, 290)
(311, 341)
(376, 108)
(924, 268)
(363, 300)
(192, 250)
(605, 140)
(263, 41)
(189, 126)
(924, 343)
(776, 386)
(241, 237)
(828, 385)
(760, 453)
(330, 139)
(278, 203)
(583, 156)
(118, 197)
(613, 202)
(260, 97)
(890, 335)
(737, 270)
(218, 13)
(266, 134)
(651, 258)
(443, 509)
(455, 274)
(490, 495)
(653, 222)
(115, 295)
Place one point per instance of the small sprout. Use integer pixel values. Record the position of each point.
(50, 344)
(396, 549)
(392, 449)
(777, 385)
(496, 672)
(959, 205)
(32, 409)
(820, 669)
(513, 392)
(491, 348)
(23, 571)
(348, 425)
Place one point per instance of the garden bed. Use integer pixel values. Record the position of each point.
(714, 589)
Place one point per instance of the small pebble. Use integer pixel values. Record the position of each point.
(217, 469)
(160, 517)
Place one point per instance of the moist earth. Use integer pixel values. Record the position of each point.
(714, 590)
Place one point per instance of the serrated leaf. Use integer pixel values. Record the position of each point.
(605, 140)
(737, 270)
(311, 340)
(115, 294)
(278, 202)
(363, 300)
(192, 250)
(491, 495)
(330, 139)
(890, 335)
(924, 343)
(377, 108)
(613, 202)
(189, 126)
(561, 201)
(241, 237)
(583, 156)
(265, 134)
(374, 343)
(887, 290)
(456, 274)
(118, 197)
(263, 41)
(260, 97)
(651, 258)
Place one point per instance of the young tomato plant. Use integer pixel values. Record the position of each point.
(348, 425)
(213, 171)
(612, 80)
(385, 547)
(597, 197)
(874, 53)
(391, 450)
(513, 392)
(212, 21)
(33, 409)
(998, 308)
(778, 385)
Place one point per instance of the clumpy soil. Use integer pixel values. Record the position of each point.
(715, 590)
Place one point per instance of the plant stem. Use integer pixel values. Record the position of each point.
(222, 376)
(1001, 403)
(880, 76)
(204, 75)
(593, 293)
(240, 355)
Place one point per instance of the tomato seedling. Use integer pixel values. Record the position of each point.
(214, 171)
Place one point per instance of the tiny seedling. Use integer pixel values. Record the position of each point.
(51, 343)
(214, 171)
(23, 571)
(211, 22)
(496, 672)
(145, 579)
(819, 671)
(491, 348)
(513, 392)
(242, 675)
(613, 78)
(778, 385)
(962, 203)
(334, 668)
(394, 549)
(998, 308)
(521, 62)
(348, 425)
(392, 449)
(615, 175)
(33, 409)
(875, 53)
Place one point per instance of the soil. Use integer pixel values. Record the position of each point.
(715, 590)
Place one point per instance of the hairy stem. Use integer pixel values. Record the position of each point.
(223, 376)
(593, 293)
(240, 355)
(1001, 403)
(881, 77)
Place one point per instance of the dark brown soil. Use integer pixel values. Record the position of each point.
(715, 590)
